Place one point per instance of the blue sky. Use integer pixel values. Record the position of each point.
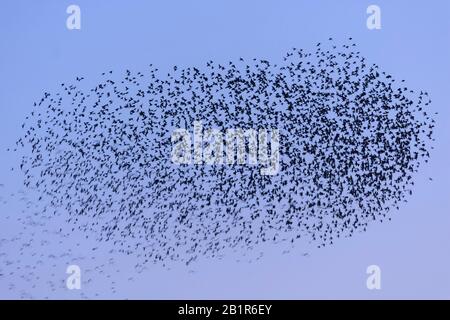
(38, 52)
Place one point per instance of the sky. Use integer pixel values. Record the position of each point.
(38, 52)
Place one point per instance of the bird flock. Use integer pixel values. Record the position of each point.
(351, 138)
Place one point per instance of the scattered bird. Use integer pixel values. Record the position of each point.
(351, 140)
